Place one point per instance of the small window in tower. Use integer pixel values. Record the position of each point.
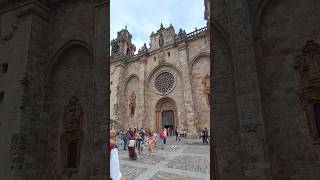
(168, 54)
(128, 51)
(72, 155)
(132, 111)
(154, 58)
(111, 82)
(4, 67)
(1, 96)
(316, 110)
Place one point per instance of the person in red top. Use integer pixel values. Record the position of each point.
(169, 131)
(162, 136)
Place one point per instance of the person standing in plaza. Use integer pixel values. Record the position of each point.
(155, 136)
(138, 139)
(177, 132)
(132, 149)
(150, 143)
(131, 133)
(206, 134)
(124, 139)
(142, 145)
(169, 131)
(180, 131)
(165, 136)
(202, 135)
(115, 173)
(143, 141)
(161, 134)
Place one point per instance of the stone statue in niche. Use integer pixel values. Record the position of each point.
(308, 62)
(72, 136)
(72, 115)
(161, 40)
(206, 88)
(8, 26)
(132, 104)
(144, 48)
(114, 47)
(161, 57)
(307, 66)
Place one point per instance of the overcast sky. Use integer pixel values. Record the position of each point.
(144, 16)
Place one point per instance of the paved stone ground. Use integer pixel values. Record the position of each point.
(189, 160)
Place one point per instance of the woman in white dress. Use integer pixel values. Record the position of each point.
(115, 173)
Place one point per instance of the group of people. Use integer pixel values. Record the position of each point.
(133, 139)
(141, 139)
(137, 139)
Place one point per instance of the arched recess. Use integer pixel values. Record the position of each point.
(219, 29)
(69, 82)
(131, 100)
(162, 105)
(200, 86)
(152, 95)
(61, 50)
(131, 76)
(199, 56)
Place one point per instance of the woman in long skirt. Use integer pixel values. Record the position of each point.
(131, 148)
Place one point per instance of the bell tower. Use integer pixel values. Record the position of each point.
(123, 44)
(162, 37)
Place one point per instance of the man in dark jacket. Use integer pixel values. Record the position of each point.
(124, 137)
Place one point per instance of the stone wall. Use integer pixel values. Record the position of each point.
(292, 153)
(45, 69)
(271, 138)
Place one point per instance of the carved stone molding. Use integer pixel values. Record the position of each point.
(72, 136)
(307, 66)
(206, 88)
(132, 104)
(18, 147)
(8, 26)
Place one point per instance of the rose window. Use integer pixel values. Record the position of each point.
(164, 83)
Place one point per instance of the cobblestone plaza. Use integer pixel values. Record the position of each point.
(187, 159)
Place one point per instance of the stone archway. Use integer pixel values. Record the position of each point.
(166, 113)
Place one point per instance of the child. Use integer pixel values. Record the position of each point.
(150, 145)
(155, 139)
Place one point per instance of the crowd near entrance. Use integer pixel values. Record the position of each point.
(166, 114)
(168, 119)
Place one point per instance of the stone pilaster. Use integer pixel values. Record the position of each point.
(119, 102)
(141, 104)
(188, 101)
(255, 164)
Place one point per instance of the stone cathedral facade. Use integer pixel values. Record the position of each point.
(165, 85)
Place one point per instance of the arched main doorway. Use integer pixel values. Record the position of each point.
(166, 114)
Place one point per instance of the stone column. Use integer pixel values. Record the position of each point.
(141, 117)
(256, 166)
(187, 93)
